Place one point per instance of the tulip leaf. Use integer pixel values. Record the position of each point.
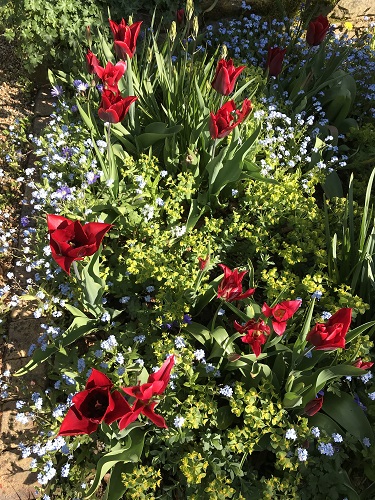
(199, 332)
(346, 412)
(321, 377)
(225, 417)
(157, 131)
(78, 328)
(93, 284)
(357, 331)
(116, 487)
(291, 400)
(75, 311)
(131, 453)
(325, 422)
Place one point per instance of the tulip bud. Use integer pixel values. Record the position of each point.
(173, 31)
(195, 26)
(88, 36)
(189, 11)
(224, 52)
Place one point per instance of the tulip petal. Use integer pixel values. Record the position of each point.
(74, 423)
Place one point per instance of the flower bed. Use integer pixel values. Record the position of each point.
(204, 287)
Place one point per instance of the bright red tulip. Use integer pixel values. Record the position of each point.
(111, 75)
(226, 76)
(280, 314)
(317, 30)
(113, 107)
(91, 62)
(331, 335)
(70, 241)
(144, 395)
(204, 263)
(227, 118)
(94, 405)
(364, 365)
(230, 287)
(275, 58)
(125, 38)
(256, 334)
(313, 406)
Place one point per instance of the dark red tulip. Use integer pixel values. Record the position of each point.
(180, 16)
(91, 62)
(317, 30)
(313, 406)
(70, 241)
(94, 405)
(275, 58)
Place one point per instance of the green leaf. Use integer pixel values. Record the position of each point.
(131, 453)
(75, 311)
(225, 417)
(199, 332)
(157, 131)
(93, 284)
(116, 488)
(345, 411)
(78, 328)
(357, 331)
(291, 399)
(332, 186)
(325, 422)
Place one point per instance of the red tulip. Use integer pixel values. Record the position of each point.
(364, 365)
(313, 406)
(91, 62)
(226, 76)
(317, 30)
(280, 314)
(111, 75)
(227, 118)
(331, 335)
(93, 406)
(256, 332)
(204, 263)
(180, 16)
(230, 287)
(275, 58)
(125, 38)
(113, 107)
(70, 241)
(144, 396)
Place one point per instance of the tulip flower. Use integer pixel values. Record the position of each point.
(91, 62)
(317, 30)
(256, 332)
(331, 335)
(111, 75)
(125, 37)
(94, 405)
(226, 76)
(204, 263)
(113, 107)
(275, 58)
(313, 406)
(227, 118)
(144, 396)
(363, 365)
(230, 287)
(70, 241)
(280, 314)
(180, 16)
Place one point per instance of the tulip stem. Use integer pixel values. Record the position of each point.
(75, 267)
(215, 316)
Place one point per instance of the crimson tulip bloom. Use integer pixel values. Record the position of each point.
(125, 37)
(111, 75)
(313, 406)
(227, 118)
(256, 332)
(145, 393)
(70, 241)
(113, 107)
(280, 314)
(317, 30)
(180, 16)
(226, 76)
(204, 263)
(91, 61)
(275, 58)
(94, 405)
(230, 287)
(331, 335)
(364, 365)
